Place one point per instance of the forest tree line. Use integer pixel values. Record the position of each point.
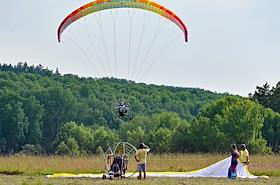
(44, 112)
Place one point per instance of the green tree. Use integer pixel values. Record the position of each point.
(62, 148)
(182, 139)
(160, 140)
(34, 112)
(69, 147)
(13, 123)
(268, 97)
(262, 94)
(137, 136)
(271, 129)
(103, 137)
(275, 99)
(59, 108)
(81, 134)
(207, 136)
(231, 120)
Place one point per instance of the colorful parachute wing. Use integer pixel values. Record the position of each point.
(100, 5)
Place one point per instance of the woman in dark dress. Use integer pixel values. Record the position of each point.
(232, 173)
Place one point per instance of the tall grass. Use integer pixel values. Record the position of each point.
(32, 165)
(51, 164)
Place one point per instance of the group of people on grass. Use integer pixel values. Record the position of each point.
(243, 157)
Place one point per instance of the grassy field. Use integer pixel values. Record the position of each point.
(32, 169)
(41, 180)
(36, 165)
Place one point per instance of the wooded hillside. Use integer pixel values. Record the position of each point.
(45, 112)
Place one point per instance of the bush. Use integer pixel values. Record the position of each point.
(29, 149)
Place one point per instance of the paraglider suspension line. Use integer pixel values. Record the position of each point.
(104, 45)
(154, 61)
(115, 42)
(87, 33)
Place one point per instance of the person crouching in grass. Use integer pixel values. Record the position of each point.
(141, 158)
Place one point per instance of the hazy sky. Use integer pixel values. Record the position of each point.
(233, 46)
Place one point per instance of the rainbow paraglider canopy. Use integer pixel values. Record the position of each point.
(100, 5)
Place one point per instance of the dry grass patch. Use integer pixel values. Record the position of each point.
(260, 165)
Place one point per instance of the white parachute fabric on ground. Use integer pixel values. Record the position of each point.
(217, 170)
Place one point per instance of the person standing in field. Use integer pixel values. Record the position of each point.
(244, 155)
(141, 158)
(232, 172)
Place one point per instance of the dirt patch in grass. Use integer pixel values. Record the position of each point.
(11, 172)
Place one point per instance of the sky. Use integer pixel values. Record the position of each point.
(234, 45)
